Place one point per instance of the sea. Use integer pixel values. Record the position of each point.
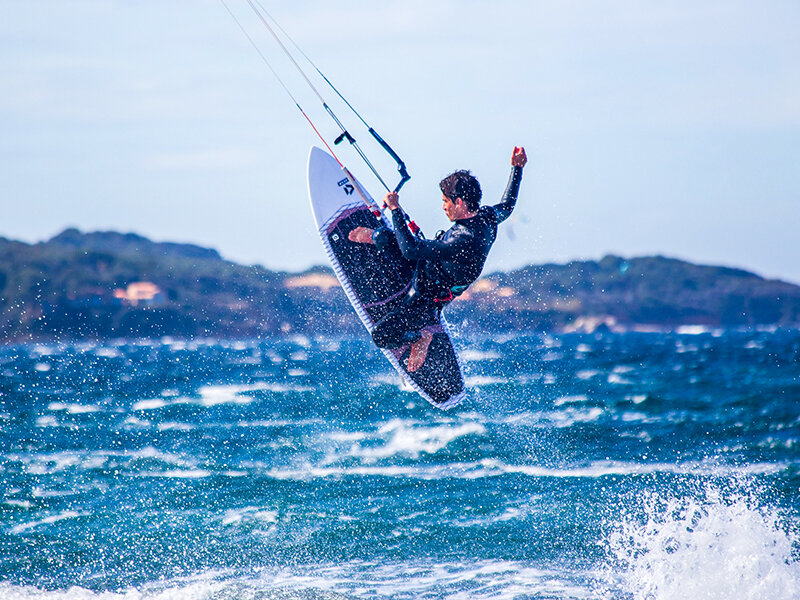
(636, 466)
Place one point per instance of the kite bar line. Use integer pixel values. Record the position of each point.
(345, 134)
(367, 201)
(401, 166)
(260, 12)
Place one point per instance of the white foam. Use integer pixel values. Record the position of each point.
(477, 380)
(43, 350)
(279, 423)
(285, 388)
(393, 380)
(587, 374)
(692, 330)
(710, 547)
(617, 379)
(214, 395)
(403, 438)
(178, 474)
(67, 514)
(301, 340)
(107, 352)
(151, 404)
(249, 513)
(48, 421)
(58, 462)
(475, 580)
(173, 426)
(562, 418)
(274, 358)
(134, 422)
(151, 453)
(577, 399)
(74, 409)
(478, 355)
(495, 468)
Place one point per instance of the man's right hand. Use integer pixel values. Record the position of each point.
(392, 200)
(362, 235)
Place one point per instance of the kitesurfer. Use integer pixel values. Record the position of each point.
(446, 265)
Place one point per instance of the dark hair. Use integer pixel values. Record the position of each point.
(462, 184)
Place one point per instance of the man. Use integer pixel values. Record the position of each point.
(446, 265)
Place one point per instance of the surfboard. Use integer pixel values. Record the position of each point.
(374, 280)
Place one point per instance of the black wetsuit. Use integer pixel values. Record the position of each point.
(446, 265)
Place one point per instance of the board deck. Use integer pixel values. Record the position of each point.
(376, 280)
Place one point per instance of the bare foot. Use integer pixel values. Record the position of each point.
(419, 350)
(362, 235)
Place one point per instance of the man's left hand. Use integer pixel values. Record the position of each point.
(519, 158)
(362, 235)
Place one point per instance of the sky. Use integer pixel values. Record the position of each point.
(651, 127)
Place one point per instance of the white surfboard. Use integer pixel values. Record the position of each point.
(376, 280)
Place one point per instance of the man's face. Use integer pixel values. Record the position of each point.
(451, 209)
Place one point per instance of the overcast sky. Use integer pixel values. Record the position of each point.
(652, 127)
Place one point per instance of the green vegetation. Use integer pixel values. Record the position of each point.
(647, 292)
(65, 289)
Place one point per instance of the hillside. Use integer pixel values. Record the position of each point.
(107, 285)
(635, 293)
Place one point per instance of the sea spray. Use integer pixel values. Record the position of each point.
(714, 545)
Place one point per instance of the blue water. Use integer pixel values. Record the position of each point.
(611, 466)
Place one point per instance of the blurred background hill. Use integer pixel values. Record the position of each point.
(103, 285)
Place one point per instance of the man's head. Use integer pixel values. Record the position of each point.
(461, 195)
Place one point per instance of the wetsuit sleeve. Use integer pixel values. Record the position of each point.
(414, 248)
(503, 210)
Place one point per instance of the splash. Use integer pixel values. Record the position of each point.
(708, 547)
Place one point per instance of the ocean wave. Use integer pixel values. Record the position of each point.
(67, 514)
(50, 421)
(480, 580)
(178, 474)
(494, 468)
(85, 460)
(715, 545)
(249, 514)
(586, 374)
(478, 380)
(402, 438)
(73, 408)
(215, 395)
(576, 399)
(566, 417)
(471, 355)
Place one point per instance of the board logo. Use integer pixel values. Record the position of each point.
(346, 186)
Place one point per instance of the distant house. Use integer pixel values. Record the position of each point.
(485, 286)
(143, 293)
(322, 281)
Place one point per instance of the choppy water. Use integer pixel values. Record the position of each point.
(636, 466)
